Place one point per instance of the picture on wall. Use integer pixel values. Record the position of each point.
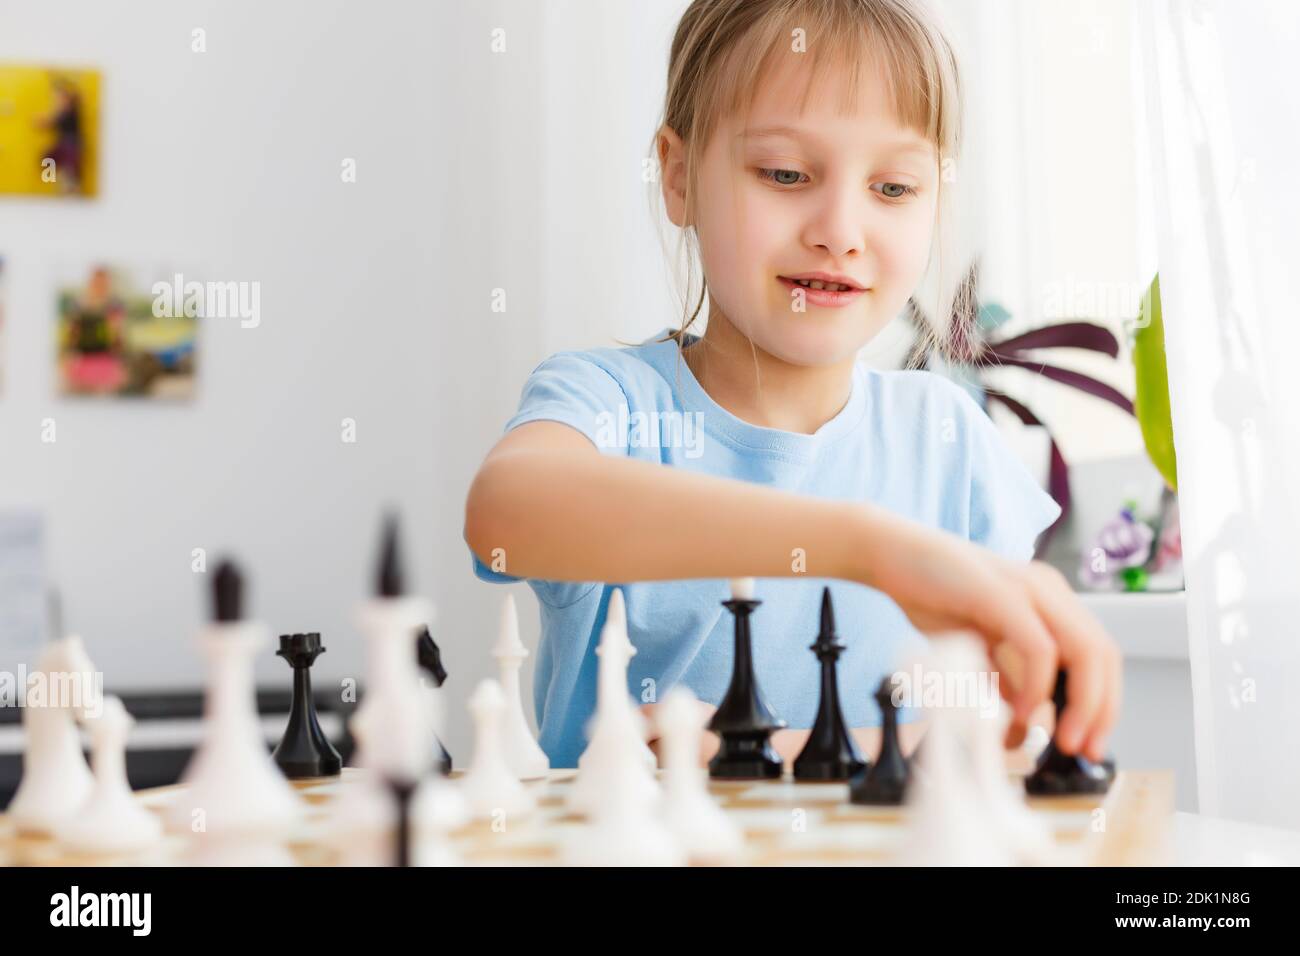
(111, 343)
(49, 131)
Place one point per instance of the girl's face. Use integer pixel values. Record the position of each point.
(782, 195)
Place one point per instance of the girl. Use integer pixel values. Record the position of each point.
(802, 152)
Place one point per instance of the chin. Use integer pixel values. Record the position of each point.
(813, 339)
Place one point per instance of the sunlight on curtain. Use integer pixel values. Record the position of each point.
(1222, 101)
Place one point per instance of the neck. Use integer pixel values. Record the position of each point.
(760, 388)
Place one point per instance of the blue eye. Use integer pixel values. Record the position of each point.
(777, 176)
(895, 190)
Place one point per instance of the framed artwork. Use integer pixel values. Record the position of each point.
(49, 131)
(113, 342)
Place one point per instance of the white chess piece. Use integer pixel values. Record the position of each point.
(614, 636)
(1023, 834)
(490, 786)
(394, 728)
(617, 748)
(111, 820)
(622, 832)
(232, 787)
(524, 756)
(1028, 839)
(56, 780)
(700, 826)
(949, 819)
(394, 695)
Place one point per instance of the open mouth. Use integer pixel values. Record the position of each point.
(817, 284)
(818, 292)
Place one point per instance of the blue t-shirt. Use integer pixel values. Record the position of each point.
(910, 441)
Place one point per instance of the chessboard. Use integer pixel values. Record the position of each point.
(784, 823)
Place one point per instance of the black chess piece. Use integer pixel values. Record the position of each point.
(743, 721)
(831, 752)
(430, 659)
(390, 581)
(227, 594)
(884, 783)
(402, 791)
(1059, 774)
(304, 750)
(915, 755)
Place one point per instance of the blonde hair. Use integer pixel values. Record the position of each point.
(722, 48)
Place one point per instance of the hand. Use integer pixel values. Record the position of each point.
(1027, 614)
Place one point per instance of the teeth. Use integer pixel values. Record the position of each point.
(818, 284)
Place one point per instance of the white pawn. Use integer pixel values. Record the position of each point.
(112, 820)
(697, 822)
(949, 819)
(56, 780)
(490, 787)
(526, 759)
(617, 748)
(1026, 836)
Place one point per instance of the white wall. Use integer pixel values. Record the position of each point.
(229, 161)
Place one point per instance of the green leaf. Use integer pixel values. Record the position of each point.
(1151, 403)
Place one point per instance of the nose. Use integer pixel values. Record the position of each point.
(837, 221)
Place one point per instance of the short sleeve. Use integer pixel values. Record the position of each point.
(571, 388)
(1008, 508)
(484, 573)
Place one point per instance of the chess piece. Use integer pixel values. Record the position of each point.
(947, 815)
(830, 753)
(394, 728)
(231, 785)
(111, 821)
(885, 782)
(56, 780)
(707, 834)
(391, 622)
(490, 787)
(430, 659)
(524, 756)
(616, 754)
(304, 750)
(1060, 774)
(743, 721)
(983, 731)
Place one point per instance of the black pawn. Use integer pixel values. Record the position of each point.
(402, 791)
(304, 750)
(743, 721)
(1058, 774)
(227, 594)
(884, 783)
(430, 659)
(830, 753)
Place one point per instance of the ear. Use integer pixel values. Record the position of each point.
(672, 167)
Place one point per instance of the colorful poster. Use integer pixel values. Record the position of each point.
(111, 342)
(49, 131)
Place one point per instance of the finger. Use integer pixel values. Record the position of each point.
(1085, 653)
(1096, 743)
(1008, 616)
(1016, 732)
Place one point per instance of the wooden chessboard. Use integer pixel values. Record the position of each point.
(785, 823)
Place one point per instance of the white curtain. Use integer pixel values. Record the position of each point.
(1223, 117)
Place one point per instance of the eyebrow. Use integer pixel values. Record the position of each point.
(790, 132)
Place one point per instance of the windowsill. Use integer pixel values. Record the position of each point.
(1145, 625)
